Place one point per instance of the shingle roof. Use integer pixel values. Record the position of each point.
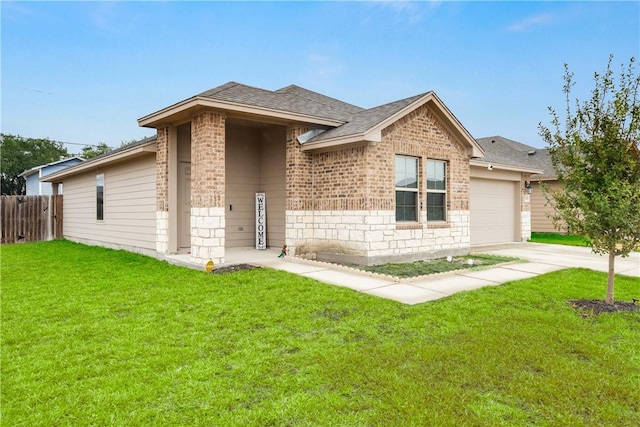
(364, 120)
(507, 151)
(341, 122)
(291, 99)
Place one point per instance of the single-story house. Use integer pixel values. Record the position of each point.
(35, 187)
(335, 181)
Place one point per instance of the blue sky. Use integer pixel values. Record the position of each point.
(84, 72)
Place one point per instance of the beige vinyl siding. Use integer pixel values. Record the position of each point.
(274, 183)
(540, 222)
(129, 205)
(254, 162)
(242, 180)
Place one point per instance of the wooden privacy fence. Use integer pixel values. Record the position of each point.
(30, 218)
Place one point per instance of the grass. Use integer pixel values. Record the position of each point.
(422, 268)
(92, 336)
(562, 239)
(559, 239)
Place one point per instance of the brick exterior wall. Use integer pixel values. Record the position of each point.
(207, 160)
(162, 170)
(299, 174)
(207, 187)
(162, 190)
(352, 212)
(420, 134)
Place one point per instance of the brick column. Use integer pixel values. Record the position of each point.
(299, 184)
(207, 187)
(299, 171)
(162, 190)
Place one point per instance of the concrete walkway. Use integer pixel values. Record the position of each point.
(542, 259)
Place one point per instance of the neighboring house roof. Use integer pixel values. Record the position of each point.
(542, 160)
(36, 169)
(507, 152)
(343, 123)
(146, 145)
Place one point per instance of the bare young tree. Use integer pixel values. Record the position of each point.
(596, 156)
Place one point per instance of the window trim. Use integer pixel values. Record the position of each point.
(437, 191)
(100, 197)
(415, 190)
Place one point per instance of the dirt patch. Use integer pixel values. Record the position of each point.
(593, 307)
(233, 268)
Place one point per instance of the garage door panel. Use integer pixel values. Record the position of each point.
(493, 211)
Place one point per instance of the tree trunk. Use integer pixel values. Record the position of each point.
(612, 271)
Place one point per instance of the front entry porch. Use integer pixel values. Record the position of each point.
(209, 170)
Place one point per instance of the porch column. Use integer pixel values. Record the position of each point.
(207, 187)
(172, 167)
(162, 190)
(299, 182)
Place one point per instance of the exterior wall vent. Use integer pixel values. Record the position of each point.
(309, 135)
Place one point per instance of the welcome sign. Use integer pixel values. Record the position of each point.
(261, 221)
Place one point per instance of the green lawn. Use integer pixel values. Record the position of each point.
(423, 268)
(559, 239)
(92, 336)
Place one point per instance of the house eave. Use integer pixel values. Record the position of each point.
(108, 159)
(38, 169)
(349, 140)
(374, 134)
(182, 109)
(500, 166)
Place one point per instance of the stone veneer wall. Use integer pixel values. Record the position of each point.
(162, 190)
(207, 187)
(351, 215)
(525, 208)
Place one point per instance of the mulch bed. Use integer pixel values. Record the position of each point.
(233, 268)
(593, 307)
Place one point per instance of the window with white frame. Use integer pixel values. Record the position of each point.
(100, 197)
(436, 190)
(406, 188)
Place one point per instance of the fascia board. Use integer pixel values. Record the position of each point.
(30, 172)
(369, 138)
(374, 134)
(88, 165)
(197, 101)
(35, 169)
(500, 166)
(442, 110)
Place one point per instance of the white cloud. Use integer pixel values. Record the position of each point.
(531, 22)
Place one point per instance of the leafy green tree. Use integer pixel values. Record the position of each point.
(91, 151)
(596, 155)
(19, 154)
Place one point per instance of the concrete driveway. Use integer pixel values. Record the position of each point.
(565, 256)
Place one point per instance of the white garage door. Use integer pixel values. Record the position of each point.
(493, 211)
